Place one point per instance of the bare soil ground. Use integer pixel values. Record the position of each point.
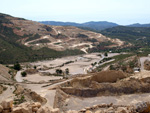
(76, 102)
(79, 65)
(38, 78)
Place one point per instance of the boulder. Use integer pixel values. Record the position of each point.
(35, 109)
(48, 110)
(23, 108)
(6, 111)
(1, 108)
(44, 110)
(26, 109)
(110, 110)
(17, 110)
(83, 110)
(56, 110)
(88, 111)
(121, 110)
(7, 105)
(72, 111)
(19, 90)
(36, 104)
(99, 111)
(41, 110)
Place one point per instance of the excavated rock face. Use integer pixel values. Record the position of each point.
(27, 93)
(2, 88)
(6, 107)
(147, 64)
(4, 74)
(60, 98)
(100, 84)
(105, 89)
(108, 76)
(37, 98)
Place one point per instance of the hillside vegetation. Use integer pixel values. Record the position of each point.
(134, 35)
(23, 40)
(11, 51)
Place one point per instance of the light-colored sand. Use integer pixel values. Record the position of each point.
(18, 77)
(80, 64)
(142, 74)
(37, 78)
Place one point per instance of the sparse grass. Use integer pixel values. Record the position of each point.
(19, 100)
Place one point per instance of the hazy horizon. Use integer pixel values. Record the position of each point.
(80, 11)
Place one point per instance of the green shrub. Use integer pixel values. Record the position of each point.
(24, 74)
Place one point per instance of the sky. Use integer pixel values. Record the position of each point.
(123, 12)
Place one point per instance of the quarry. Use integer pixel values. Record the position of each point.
(43, 90)
(70, 69)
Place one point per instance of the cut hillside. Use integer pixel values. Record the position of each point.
(24, 40)
(4, 74)
(107, 83)
(100, 77)
(108, 76)
(139, 36)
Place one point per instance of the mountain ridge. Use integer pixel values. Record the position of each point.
(24, 40)
(99, 25)
(92, 25)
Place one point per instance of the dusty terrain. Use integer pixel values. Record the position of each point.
(79, 64)
(59, 38)
(75, 101)
(82, 92)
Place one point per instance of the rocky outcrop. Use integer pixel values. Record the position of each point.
(142, 107)
(29, 94)
(18, 90)
(110, 76)
(2, 88)
(4, 74)
(60, 98)
(36, 97)
(102, 89)
(106, 108)
(6, 106)
(36, 107)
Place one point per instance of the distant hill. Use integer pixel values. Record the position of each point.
(139, 25)
(139, 36)
(92, 25)
(24, 40)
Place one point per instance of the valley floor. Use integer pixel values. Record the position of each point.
(46, 85)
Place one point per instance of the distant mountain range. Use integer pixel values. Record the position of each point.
(139, 25)
(92, 25)
(98, 26)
